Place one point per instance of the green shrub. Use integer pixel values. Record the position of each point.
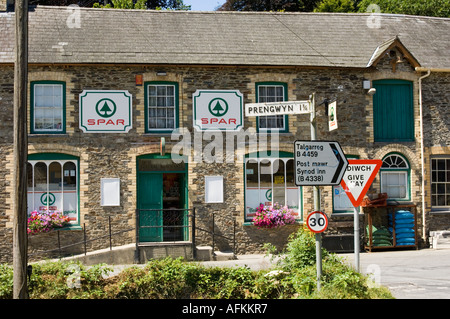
(294, 276)
(6, 281)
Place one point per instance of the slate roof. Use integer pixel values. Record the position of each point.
(224, 38)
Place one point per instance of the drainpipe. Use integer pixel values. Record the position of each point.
(422, 148)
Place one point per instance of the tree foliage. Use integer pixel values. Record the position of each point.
(120, 4)
(436, 8)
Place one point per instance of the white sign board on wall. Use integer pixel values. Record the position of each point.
(110, 191)
(218, 110)
(213, 189)
(105, 111)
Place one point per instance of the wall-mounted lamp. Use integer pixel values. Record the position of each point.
(368, 86)
(161, 73)
(372, 91)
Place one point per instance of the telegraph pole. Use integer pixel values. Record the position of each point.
(20, 245)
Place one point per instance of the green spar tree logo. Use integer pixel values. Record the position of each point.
(105, 108)
(218, 107)
(48, 199)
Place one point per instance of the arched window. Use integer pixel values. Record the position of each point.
(270, 180)
(53, 184)
(395, 173)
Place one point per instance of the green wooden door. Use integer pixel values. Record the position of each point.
(150, 194)
(393, 111)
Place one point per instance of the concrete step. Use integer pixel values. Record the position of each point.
(204, 253)
(224, 255)
(440, 239)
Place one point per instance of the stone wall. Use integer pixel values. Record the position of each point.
(436, 116)
(114, 155)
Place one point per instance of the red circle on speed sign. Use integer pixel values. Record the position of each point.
(317, 222)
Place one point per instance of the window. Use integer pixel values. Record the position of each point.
(48, 107)
(162, 107)
(53, 184)
(341, 202)
(267, 93)
(393, 111)
(440, 182)
(395, 177)
(269, 181)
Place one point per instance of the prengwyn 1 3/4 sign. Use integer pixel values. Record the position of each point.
(105, 111)
(218, 110)
(278, 108)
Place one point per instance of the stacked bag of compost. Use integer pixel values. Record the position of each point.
(380, 236)
(404, 227)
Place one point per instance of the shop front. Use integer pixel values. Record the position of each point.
(162, 199)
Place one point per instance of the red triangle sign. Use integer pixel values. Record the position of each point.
(358, 177)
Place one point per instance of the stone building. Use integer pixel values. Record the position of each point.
(121, 105)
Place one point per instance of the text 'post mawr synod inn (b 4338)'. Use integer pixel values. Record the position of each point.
(163, 127)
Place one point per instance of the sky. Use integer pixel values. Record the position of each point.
(203, 5)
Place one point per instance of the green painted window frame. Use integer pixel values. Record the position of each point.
(32, 107)
(379, 115)
(406, 171)
(147, 106)
(285, 129)
(37, 157)
(269, 155)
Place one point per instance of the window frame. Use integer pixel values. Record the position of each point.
(406, 172)
(147, 106)
(33, 130)
(433, 183)
(285, 128)
(285, 157)
(62, 159)
(350, 209)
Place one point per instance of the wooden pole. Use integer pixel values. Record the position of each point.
(20, 245)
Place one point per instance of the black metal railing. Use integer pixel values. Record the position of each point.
(165, 225)
(215, 233)
(58, 251)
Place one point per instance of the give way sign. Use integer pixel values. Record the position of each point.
(358, 177)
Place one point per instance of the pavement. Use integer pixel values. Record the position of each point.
(409, 274)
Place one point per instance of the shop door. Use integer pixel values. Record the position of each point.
(150, 195)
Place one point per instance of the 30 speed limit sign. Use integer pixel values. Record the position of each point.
(317, 222)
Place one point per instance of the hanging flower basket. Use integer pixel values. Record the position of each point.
(43, 222)
(273, 216)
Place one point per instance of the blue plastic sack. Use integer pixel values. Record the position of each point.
(406, 241)
(402, 230)
(404, 235)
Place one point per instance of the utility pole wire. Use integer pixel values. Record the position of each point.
(20, 244)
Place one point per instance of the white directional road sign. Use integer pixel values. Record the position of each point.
(278, 108)
(318, 163)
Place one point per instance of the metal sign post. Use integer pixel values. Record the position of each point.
(356, 181)
(316, 194)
